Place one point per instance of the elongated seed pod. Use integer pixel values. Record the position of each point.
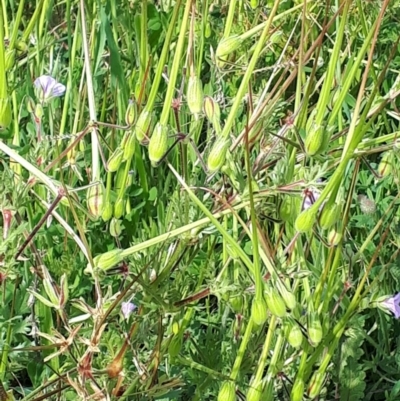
(115, 228)
(142, 126)
(195, 95)
(217, 156)
(115, 159)
(175, 345)
(227, 392)
(158, 143)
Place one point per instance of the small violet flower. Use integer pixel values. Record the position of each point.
(127, 308)
(393, 305)
(47, 88)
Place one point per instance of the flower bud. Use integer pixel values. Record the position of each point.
(131, 113)
(129, 145)
(334, 237)
(107, 211)
(293, 333)
(108, 260)
(228, 45)
(297, 393)
(316, 382)
(195, 95)
(217, 155)
(288, 297)
(259, 311)
(38, 112)
(385, 167)
(314, 140)
(255, 391)
(30, 104)
(227, 392)
(175, 345)
(142, 125)
(115, 228)
(211, 109)
(275, 302)
(9, 59)
(95, 199)
(7, 217)
(115, 159)
(314, 329)
(305, 220)
(158, 143)
(329, 216)
(119, 208)
(5, 113)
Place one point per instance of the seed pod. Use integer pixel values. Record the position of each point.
(158, 143)
(316, 382)
(314, 329)
(259, 311)
(131, 113)
(227, 391)
(217, 156)
(175, 345)
(208, 31)
(95, 199)
(142, 126)
(293, 333)
(195, 95)
(119, 208)
(236, 302)
(275, 302)
(305, 220)
(385, 167)
(314, 140)
(255, 391)
(107, 211)
(129, 146)
(5, 114)
(108, 260)
(115, 159)
(297, 393)
(334, 238)
(227, 46)
(329, 216)
(9, 59)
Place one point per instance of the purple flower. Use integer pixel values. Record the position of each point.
(127, 308)
(47, 88)
(393, 305)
